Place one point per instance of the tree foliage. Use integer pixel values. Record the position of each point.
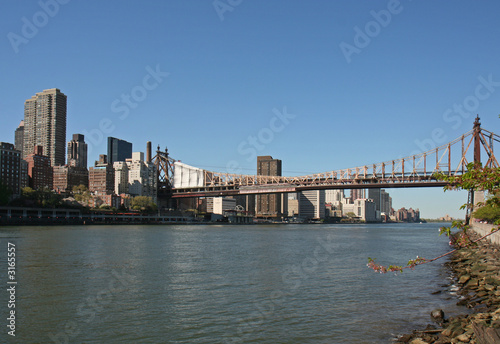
(81, 193)
(489, 213)
(144, 204)
(350, 215)
(43, 197)
(5, 194)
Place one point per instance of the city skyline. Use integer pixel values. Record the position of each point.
(319, 91)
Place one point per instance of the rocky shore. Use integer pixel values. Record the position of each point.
(477, 274)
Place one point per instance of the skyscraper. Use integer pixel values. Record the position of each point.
(142, 178)
(374, 194)
(357, 194)
(19, 137)
(118, 150)
(45, 125)
(312, 204)
(77, 151)
(268, 205)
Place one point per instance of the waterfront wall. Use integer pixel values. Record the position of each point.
(15, 216)
(485, 228)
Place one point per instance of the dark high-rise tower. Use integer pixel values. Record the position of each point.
(77, 151)
(45, 125)
(118, 150)
(268, 205)
(19, 137)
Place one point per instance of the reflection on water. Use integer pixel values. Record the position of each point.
(223, 284)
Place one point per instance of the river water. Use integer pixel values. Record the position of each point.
(220, 284)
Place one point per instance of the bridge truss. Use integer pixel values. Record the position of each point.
(412, 171)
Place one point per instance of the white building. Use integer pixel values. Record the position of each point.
(347, 206)
(142, 179)
(121, 177)
(365, 209)
(222, 204)
(334, 197)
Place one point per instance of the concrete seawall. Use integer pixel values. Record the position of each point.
(485, 228)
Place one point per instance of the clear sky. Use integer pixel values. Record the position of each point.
(326, 84)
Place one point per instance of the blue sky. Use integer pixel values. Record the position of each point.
(355, 82)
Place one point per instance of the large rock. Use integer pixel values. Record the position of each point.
(437, 316)
(486, 335)
(418, 341)
(464, 279)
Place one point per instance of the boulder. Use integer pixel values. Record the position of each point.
(437, 316)
(464, 279)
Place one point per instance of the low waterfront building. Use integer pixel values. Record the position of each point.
(365, 210)
(114, 201)
(223, 204)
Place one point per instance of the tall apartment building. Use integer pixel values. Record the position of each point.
(19, 137)
(358, 194)
(39, 169)
(24, 174)
(118, 150)
(142, 180)
(10, 168)
(375, 195)
(102, 177)
(45, 125)
(77, 151)
(334, 197)
(312, 204)
(385, 203)
(407, 215)
(121, 177)
(269, 205)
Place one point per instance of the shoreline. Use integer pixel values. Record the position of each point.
(476, 273)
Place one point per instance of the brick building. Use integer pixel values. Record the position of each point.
(39, 169)
(66, 177)
(102, 177)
